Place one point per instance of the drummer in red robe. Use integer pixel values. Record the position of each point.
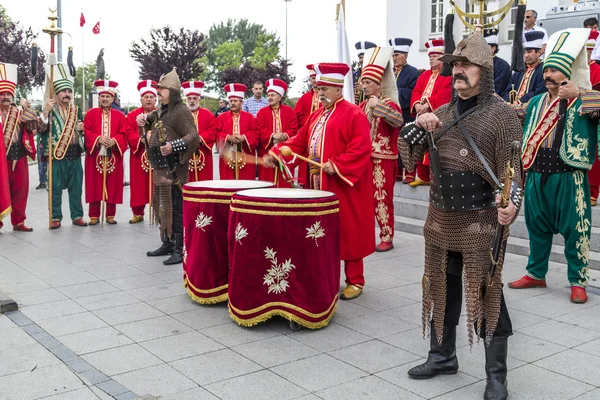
(18, 130)
(431, 92)
(237, 137)
(139, 166)
(201, 162)
(593, 51)
(105, 142)
(275, 124)
(338, 136)
(5, 207)
(385, 115)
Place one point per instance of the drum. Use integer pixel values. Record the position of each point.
(284, 251)
(205, 217)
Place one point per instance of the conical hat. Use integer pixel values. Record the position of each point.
(170, 81)
(568, 54)
(62, 79)
(379, 67)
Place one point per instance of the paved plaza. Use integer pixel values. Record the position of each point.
(98, 319)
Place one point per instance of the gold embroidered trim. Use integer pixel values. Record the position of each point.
(10, 126)
(582, 227)
(287, 305)
(285, 213)
(203, 291)
(304, 205)
(287, 315)
(211, 193)
(5, 213)
(67, 133)
(205, 300)
(216, 201)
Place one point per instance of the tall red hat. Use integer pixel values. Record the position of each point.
(192, 88)
(8, 78)
(331, 74)
(311, 70)
(235, 91)
(277, 86)
(435, 46)
(106, 87)
(591, 42)
(147, 86)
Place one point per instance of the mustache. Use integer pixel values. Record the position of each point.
(461, 77)
(550, 80)
(323, 98)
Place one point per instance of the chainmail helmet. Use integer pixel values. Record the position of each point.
(171, 81)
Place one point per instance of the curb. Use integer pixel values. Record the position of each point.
(7, 304)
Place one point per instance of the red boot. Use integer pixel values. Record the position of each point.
(55, 224)
(527, 282)
(578, 295)
(384, 246)
(22, 228)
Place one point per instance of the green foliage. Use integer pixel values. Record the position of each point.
(90, 76)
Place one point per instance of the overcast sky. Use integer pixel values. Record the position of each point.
(311, 28)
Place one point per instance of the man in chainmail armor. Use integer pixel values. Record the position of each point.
(469, 141)
(171, 139)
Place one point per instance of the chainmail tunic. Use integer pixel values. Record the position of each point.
(177, 123)
(493, 126)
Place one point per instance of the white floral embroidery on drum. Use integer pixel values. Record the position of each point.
(184, 250)
(202, 221)
(277, 276)
(315, 232)
(240, 232)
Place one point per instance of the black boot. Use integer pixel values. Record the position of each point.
(441, 359)
(495, 369)
(177, 256)
(165, 249)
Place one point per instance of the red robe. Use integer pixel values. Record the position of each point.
(307, 104)
(266, 127)
(595, 75)
(139, 165)
(346, 142)
(4, 188)
(247, 128)
(439, 94)
(93, 162)
(594, 173)
(201, 162)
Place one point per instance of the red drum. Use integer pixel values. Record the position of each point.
(205, 217)
(284, 252)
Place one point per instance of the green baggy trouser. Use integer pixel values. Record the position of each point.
(561, 205)
(67, 174)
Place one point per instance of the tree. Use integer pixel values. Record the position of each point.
(15, 48)
(168, 48)
(90, 76)
(248, 74)
(239, 46)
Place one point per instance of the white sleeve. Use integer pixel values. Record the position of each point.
(545, 39)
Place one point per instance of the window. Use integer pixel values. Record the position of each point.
(437, 17)
(512, 19)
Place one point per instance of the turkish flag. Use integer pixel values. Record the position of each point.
(96, 28)
(81, 20)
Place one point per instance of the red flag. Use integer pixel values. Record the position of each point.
(81, 20)
(96, 29)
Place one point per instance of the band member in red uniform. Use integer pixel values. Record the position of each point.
(385, 116)
(18, 141)
(105, 142)
(201, 162)
(237, 138)
(593, 51)
(5, 207)
(338, 137)
(275, 124)
(139, 166)
(431, 92)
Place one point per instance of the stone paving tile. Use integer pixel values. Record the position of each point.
(552, 304)
(374, 356)
(40, 382)
(376, 324)
(74, 323)
(591, 395)
(522, 319)
(475, 392)
(263, 385)
(410, 313)
(429, 388)
(169, 276)
(385, 281)
(330, 338)
(592, 347)
(25, 358)
(14, 337)
(411, 341)
(275, 351)
(574, 364)
(96, 340)
(185, 345)
(591, 320)
(37, 297)
(179, 304)
(6, 323)
(471, 361)
(193, 394)
(530, 381)
(367, 388)
(128, 313)
(318, 372)
(79, 394)
(530, 349)
(117, 273)
(157, 292)
(52, 310)
(215, 367)
(560, 333)
(89, 289)
(106, 300)
(152, 328)
(232, 334)
(135, 282)
(76, 277)
(122, 359)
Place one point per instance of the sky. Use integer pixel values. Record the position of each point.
(311, 28)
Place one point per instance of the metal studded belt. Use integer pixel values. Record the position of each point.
(461, 191)
(548, 161)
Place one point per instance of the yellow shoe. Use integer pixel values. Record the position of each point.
(94, 221)
(351, 292)
(594, 202)
(136, 219)
(111, 220)
(419, 182)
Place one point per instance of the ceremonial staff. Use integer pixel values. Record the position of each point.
(52, 31)
(238, 149)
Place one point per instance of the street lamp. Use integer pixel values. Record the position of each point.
(286, 28)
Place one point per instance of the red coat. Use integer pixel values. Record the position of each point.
(247, 163)
(93, 162)
(385, 143)
(265, 126)
(4, 187)
(201, 162)
(347, 144)
(595, 75)
(440, 95)
(139, 165)
(305, 106)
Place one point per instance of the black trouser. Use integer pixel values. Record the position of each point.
(177, 198)
(454, 288)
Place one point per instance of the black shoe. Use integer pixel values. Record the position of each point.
(125, 183)
(177, 256)
(165, 249)
(40, 186)
(441, 359)
(495, 369)
(295, 327)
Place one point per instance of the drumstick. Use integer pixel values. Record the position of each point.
(286, 151)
